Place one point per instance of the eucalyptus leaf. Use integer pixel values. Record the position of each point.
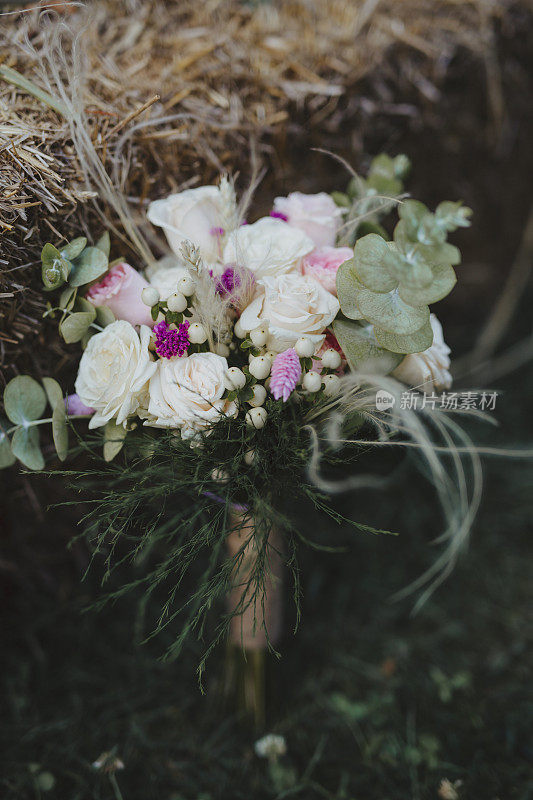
(73, 327)
(387, 310)
(6, 456)
(55, 269)
(25, 447)
(114, 436)
(361, 348)
(104, 316)
(60, 431)
(67, 298)
(90, 265)
(415, 342)
(374, 263)
(49, 254)
(54, 392)
(444, 253)
(347, 285)
(87, 336)
(444, 279)
(104, 243)
(74, 248)
(24, 399)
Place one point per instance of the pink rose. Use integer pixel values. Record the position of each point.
(120, 290)
(315, 214)
(322, 265)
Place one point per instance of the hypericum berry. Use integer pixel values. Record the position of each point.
(312, 382)
(304, 347)
(197, 333)
(256, 417)
(332, 385)
(259, 396)
(150, 296)
(331, 359)
(186, 285)
(239, 331)
(260, 367)
(177, 302)
(259, 336)
(234, 378)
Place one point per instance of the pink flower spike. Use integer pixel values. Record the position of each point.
(285, 374)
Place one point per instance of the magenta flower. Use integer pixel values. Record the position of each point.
(285, 374)
(170, 342)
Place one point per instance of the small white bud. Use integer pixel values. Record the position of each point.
(332, 385)
(249, 457)
(331, 359)
(271, 354)
(256, 417)
(239, 331)
(234, 378)
(186, 285)
(260, 367)
(196, 333)
(259, 395)
(304, 347)
(259, 336)
(150, 296)
(222, 349)
(312, 381)
(220, 476)
(177, 302)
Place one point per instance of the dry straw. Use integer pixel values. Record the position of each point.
(173, 93)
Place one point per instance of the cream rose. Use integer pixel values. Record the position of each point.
(196, 215)
(315, 214)
(187, 393)
(429, 369)
(114, 372)
(267, 247)
(166, 280)
(294, 306)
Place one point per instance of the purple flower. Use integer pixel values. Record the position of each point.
(227, 282)
(285, 374)
(170, 342)
(74, 406)
(279, 215)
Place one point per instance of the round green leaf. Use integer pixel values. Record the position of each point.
(415, 342)
(347, 284)
(375, 264)
(104, 243)
(60, 431)
(74, 327)
(104, 316)
(74, 248)
(444, 279)
(6, 456)
(67, 298)
(390, 312)
(25, 447)
(361, 348)
(49, 254)
(53, 391)
(90, 265)
(114, 436)
(24, 399)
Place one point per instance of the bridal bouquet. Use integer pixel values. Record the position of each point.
(231, 371)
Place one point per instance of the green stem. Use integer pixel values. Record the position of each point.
(43, 422)
(12, 76)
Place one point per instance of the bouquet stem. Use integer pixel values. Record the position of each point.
(260, 621)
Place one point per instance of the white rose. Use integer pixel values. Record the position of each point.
(196, 215)
(166, 280)
(114, 372)
(429, 369)
(187, 393)
(294, 306)
(268, 247)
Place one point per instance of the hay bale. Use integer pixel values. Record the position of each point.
(173, 93)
